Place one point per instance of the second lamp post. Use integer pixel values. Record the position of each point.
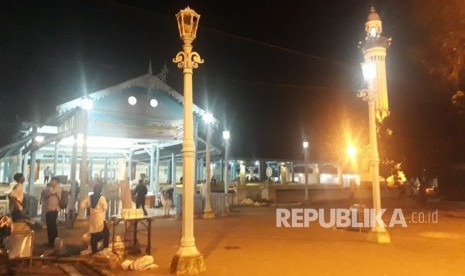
(378, 233)
(305, 146)
(207, 211)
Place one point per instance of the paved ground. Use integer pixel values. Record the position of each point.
(247, 243)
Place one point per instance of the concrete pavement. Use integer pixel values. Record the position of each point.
(247, 243)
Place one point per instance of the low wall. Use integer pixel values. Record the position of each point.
(283, 195)
(217, 201)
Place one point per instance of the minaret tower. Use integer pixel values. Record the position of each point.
(374, 50)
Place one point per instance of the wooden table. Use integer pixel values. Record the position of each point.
(145, 221)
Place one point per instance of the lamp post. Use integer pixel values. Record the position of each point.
(207, 211)
(226, 136)
(188, 260)
(87, 105)
(378, 233)
(305, 146)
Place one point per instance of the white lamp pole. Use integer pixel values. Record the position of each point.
(305, 146)
(378, 233)
(188, 260)
(207, 211)
(226, 136)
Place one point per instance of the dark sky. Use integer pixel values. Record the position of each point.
(274, 72)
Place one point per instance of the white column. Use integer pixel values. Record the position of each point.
(71, 205)
(55, 159)
(30, 186)
(208, 212)
(188, 260)
(226, 174)
(25, 159)
(157, 169)
(130, 167)
(152, 169)
(63, 163)
(19, 160)
(173, 171)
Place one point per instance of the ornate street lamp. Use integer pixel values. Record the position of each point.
(378, 233)
(207, 211)
(305, 146)
(188, 260)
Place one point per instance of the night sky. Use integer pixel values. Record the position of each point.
(274, 72)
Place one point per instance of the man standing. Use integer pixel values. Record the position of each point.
(43, 202)
(47, 174)
(53, 197)
(140, 193)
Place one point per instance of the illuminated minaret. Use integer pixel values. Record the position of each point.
(374, 50)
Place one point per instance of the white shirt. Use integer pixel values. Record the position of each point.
(97, 214)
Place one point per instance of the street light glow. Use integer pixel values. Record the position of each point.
(226, 135)
(87, 104)
(208, 118)
(305, 144)
(351, 151)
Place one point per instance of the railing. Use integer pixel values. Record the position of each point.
(217, 201)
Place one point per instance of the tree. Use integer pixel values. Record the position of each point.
(441, 28)
(440, 49)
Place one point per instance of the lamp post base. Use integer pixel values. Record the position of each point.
(208, 215)
(186, 263)
(379, 236)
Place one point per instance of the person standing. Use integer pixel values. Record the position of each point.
(140, 193)
(47, 174)
(43, 202)
(16, 198)
(98, 228)
(53, 197)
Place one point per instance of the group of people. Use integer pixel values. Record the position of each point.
(164, 198)
(51, 197)
(96, 205)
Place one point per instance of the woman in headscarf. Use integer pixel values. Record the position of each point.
(98, 228)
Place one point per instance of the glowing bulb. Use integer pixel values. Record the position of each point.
(39, 138)
(153, 102)
(132, 100)
(351, 151)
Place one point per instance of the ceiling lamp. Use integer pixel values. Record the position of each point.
(153, 103)
(132, 100)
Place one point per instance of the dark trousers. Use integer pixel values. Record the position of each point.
(52, 229)
(96, 237)
(16, 215)
(141, 204)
